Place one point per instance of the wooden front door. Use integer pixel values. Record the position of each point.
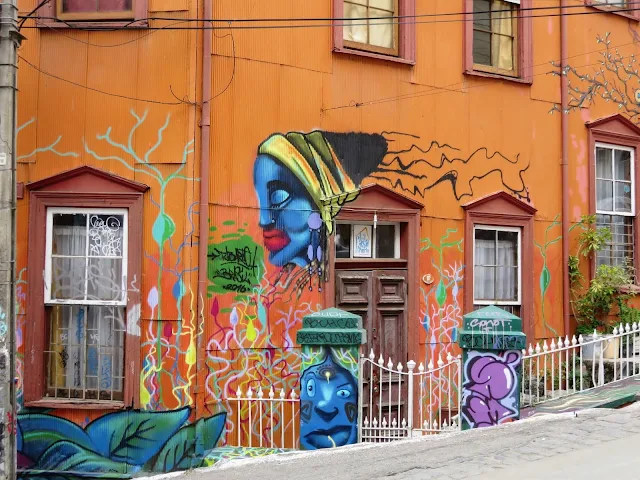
(380, 298)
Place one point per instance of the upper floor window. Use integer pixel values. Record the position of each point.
(615, 202)
(624, 8)
(378, 28)
(498, 38)
(121, 9)
(373, 26)
(83, 12)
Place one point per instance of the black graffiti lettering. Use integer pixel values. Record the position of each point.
(330, 323)
(240, 257)
(329, 338)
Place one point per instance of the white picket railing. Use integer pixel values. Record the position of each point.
(388, 417)
(571, 366)
(271, 418)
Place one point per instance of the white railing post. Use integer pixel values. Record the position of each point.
(460, 375)
(411, 365)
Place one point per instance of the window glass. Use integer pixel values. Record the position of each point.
(82, 6)
(385, 241)
(496, 265)
(343, 240)
(370, 22)
(615, 204)
(87, 267)
(495, 34)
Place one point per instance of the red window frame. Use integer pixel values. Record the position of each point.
(502, 210)
(83, 187)
(524, 55)
(49, 17)
(406, 34)
(615, 130)
(633, 15)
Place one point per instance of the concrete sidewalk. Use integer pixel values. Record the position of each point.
(595, 443)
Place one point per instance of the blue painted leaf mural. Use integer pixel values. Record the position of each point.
(163, 228)
(179, 453)
(135, 437)
(441, 293)
(40, 431)
(212, 428)
(69, 457)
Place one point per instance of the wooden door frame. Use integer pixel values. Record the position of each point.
(389, 206)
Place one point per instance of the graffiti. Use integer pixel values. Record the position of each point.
(50, 148)
(328, 400)
(224, 454)
(3, 325)
(545, 275)
(496, 341)
(329, 338)
(441, 313)
(302, 181)
(117, 443)
(615, 80)
(234, 265)
(490, 388)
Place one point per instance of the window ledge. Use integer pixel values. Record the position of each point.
(379, 56)
(497, 76)
(630, 289)
(76, 404)
(605, 8)
(94, 25)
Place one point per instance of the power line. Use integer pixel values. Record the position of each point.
(349, 22)
(334, 19)
(95, 89)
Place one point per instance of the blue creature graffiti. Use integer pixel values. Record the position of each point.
(490, 388)
(328, 406)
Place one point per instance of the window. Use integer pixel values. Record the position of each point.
(365, 240)
(498, 38)
(86, 264)
(624, 8)
(615, 203)
(372, 28)
(122, 9)
(495, 30)
(130, 13)
(496, 268)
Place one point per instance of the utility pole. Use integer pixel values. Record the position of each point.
(10, 39)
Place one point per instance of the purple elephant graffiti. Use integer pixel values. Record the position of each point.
(490, 393)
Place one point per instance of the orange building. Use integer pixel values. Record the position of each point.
(196, 177)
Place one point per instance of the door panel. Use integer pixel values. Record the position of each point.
(380, 297)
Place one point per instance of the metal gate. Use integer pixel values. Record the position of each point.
(396, 403)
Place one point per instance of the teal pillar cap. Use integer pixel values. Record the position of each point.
(491, 328)
(332, 327)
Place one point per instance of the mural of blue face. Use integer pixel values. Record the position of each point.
(285, 208)
(328, 406)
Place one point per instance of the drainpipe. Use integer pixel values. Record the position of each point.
(564, 101)
(205, 124)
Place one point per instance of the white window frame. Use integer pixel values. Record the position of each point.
(495, 228)
(396, 240)
(613, 179)
(51, 211)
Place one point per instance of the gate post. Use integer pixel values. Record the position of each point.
(492, 341)
(411, 365)
(330, 383)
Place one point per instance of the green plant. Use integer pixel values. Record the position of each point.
(592, 305)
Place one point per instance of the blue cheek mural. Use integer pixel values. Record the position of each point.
(328, 405)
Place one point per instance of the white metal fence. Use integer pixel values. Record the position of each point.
(395, 404)
(263, 418)
(571, 366)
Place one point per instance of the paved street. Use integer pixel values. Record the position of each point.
(593, 444)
